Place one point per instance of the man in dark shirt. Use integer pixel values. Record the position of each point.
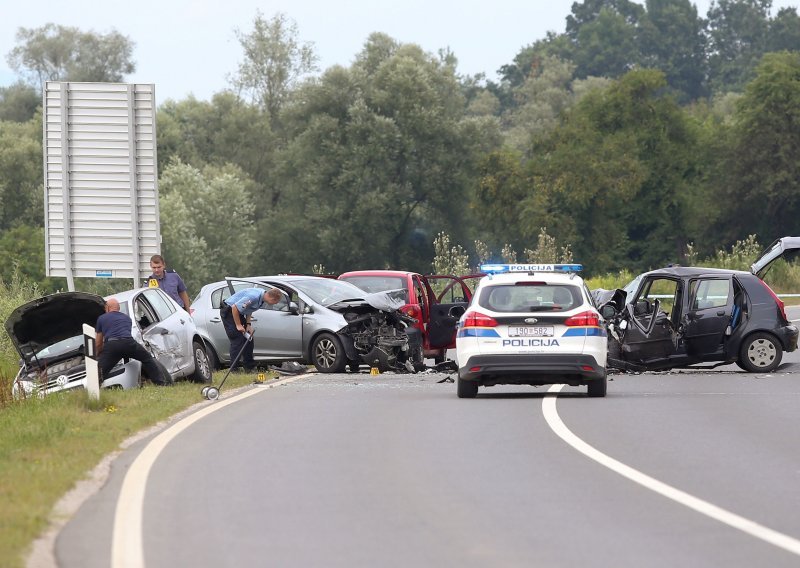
(169, 281)
(114, 341)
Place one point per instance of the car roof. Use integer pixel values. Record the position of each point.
(683, 271)
(126, 295)
(548, 277)
(377, 273)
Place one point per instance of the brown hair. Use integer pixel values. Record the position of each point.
(157, 258)
(274, 294)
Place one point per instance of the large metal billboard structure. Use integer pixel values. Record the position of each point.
(100, 180)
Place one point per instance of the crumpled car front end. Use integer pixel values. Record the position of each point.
(48, 334)
(377, 333)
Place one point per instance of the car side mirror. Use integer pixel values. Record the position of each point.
(457, 311)
(293, 308)
(608, 311)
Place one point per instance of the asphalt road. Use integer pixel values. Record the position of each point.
(670, 469)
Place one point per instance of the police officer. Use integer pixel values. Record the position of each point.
(236, 312)
(169, 281)
(113, 341)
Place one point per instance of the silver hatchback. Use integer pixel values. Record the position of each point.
(48, 334)
(323, 321)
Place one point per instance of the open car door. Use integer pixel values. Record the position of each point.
(278, 328)
(786, 248)
(450, 292)
(653, 316)
(708, 315)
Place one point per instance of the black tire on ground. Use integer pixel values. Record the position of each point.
(760, 353)
(165, 376)
(327, 354)
(466, 389)
(597, 387)
(202, 364)
(213, 359)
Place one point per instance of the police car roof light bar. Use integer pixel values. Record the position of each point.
(507, 268)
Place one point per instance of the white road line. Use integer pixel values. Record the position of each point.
(752, 528)
(126, 545)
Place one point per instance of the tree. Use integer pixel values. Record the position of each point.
(672, 39)
(737, 38)
(59, 53)
(207, 222)
(762, 188)
(784, 31)
(380, 157)
(502, 186)
(21, 177)
(274, 61)
(604, 37)
(18, 102)
(615, 178)
(548, 91)
(225, 130)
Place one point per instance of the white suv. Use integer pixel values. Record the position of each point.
(531, 324)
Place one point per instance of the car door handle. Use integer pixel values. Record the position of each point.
(215, 320)
(164, 331)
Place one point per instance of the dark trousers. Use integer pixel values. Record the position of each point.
(237, 340)
(115, 349)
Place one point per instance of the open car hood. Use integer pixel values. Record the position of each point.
(47, 320)
(786, 248)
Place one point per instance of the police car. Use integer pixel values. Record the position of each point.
(531, 324)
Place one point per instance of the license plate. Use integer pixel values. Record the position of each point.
(531, 331)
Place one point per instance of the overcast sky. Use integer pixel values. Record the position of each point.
(189, 46)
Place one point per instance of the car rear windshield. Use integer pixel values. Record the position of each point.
(376, 283)
(530, 297)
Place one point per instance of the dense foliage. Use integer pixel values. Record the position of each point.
(643, 132)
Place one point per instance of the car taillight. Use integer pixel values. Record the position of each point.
(477, 319)
(588, 318)
(781, 305)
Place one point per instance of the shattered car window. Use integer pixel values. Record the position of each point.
(327, 291)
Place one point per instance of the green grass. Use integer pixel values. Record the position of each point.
(47, 445)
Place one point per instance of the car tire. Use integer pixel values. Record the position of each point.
(327, 354)
(202, 364)
(165, 376)
(213, 359)
(760, 353)
(597, 387)
(466, 389)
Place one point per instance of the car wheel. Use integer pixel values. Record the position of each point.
(165, 376)
(327, 354)
(760, 353)
(597, 387)
(466, 389)
(213, 359)
(202, 364)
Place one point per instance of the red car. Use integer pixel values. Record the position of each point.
(429, 300)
